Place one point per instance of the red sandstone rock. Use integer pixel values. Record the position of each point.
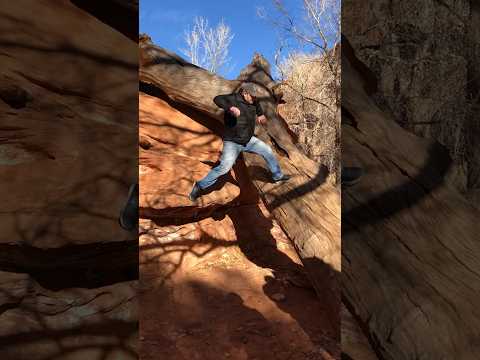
(67, 155)
(166, 180)
(168, 128)
(182, 151)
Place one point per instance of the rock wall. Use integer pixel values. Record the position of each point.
(400, 226)
(473, 88)
(174, 152)
(223, 263)
(424, 55)
(68, 153)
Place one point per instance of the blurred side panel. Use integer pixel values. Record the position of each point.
(410, 268)
(68, 156)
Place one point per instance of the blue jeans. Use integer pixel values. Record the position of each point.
(230, 153)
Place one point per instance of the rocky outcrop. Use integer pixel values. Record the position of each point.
(236, 287)
(409, 238)
(68, 154)
(305, 196)
(223, 258)
(180, 151)
(424, 55)
(473, 92)
(355, 344)
(75, 323)
(121, 15)
(68, 145)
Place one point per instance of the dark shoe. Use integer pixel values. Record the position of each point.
(129, 215)
(195, 193)
(351, 175)
(284, 177)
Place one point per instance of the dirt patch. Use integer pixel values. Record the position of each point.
(228, 288)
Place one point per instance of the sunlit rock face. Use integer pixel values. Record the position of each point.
(179, 152)
(218, 268)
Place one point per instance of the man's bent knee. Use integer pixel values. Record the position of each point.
(224, 167)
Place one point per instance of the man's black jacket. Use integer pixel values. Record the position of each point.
(241, 129)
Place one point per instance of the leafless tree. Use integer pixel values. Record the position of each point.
(318, 30)
(308, 67)
(208, 47)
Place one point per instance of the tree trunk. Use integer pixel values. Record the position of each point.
(306, 207)
(410, 246)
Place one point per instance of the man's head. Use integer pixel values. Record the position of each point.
(247, 91)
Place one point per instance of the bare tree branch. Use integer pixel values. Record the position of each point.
(310, 77)
(208, 47)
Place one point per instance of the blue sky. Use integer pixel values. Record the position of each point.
(166, 21)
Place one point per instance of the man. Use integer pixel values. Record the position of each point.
(242, 112)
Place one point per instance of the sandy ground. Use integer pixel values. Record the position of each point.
(229, 287)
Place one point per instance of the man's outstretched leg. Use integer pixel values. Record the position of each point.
(229, 156)
(257, 146)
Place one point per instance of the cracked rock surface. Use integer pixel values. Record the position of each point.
(68, 142)
(409, 238)
(424, 55)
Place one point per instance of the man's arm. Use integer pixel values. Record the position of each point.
(261, 119)
(224, 101)
(227, 103)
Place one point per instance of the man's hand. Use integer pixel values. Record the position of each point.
(262, 120)
(234, 111)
